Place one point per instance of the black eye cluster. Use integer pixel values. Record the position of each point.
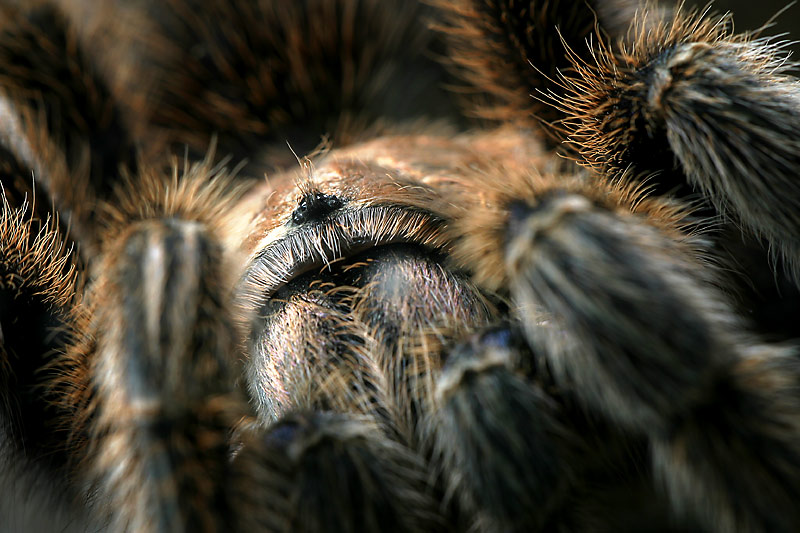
(315, 206)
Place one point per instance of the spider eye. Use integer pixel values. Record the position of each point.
(314, 206)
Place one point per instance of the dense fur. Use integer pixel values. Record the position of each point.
(562, 296)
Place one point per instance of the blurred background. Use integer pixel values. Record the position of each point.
(751, 14)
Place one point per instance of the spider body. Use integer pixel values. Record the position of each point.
(565, 299)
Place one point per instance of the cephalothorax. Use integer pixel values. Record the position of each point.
(387, 265)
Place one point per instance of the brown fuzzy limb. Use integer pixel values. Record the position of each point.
(413, 309)
(38, 294)
(164, 372)
(151, 379)
(518, 452)
(641, 336)
(199, 191)
(259, 74)
(499, 437)
(326, 472)
(708, 110)
(481, 231)
(60, 119)
(609, 279)
(734, 459)
(509, 53)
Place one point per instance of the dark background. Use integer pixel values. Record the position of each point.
(751, 14)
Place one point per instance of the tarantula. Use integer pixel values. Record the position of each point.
(388, 265)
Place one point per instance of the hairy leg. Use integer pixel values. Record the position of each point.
(645, 338)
